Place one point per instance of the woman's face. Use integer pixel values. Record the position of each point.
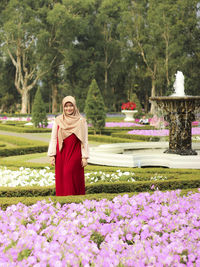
(68, 108)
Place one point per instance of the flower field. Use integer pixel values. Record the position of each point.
(147, 229)
(162, 229)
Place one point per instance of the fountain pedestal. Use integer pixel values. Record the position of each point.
(180, 112)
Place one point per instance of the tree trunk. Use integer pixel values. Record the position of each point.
(29, 103)
(24, 101)
(153, 93)
(146, 102)
(54, 98)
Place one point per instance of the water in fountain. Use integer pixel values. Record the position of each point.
(179, 84)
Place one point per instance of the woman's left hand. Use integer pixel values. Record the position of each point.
(84, 162)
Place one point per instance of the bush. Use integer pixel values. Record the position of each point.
(25, 146)
(39, 117)
(95, 108)
(136, 137)
(108, 139)
(102, 187)
(28, 129)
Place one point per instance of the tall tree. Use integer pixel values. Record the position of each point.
(9, 98)
(20, 35)
(108, 18)
(63, 22)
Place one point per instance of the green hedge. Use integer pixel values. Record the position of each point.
(22, 150)
(110, 188)
(27, 129)
(13, 123)
(136, 137)
(25, 146)
(142, 186)
(19, 141)
(109, 139)
(2, 144)
(5, 202)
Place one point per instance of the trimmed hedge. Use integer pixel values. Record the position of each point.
(116, 187)
(136, 137)
(5, 202)
(109, 139)
(28, 129)
(2, 144)
(19, 141)
(26, 146)
(13, 123)
(143, 186)
(22, 150)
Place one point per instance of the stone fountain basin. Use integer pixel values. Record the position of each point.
(142, 154)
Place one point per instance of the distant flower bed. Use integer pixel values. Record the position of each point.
(159, 229)
(5, 118)
(122, 124)
(163, 132)
(128, 106)
(112, 124)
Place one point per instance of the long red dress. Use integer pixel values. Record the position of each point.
(69, 173)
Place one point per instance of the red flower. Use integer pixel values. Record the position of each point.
(128, 106)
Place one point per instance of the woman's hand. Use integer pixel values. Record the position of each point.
(84, 162)
(52, 160)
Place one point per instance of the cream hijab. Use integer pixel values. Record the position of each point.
(70, 124)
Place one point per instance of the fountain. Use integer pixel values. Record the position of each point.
(180, 112)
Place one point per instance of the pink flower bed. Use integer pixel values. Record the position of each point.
(112, 124)
(161, 229)
(163, 132)
(122, 124)
(15, 118)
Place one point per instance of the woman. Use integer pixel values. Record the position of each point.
(68, 149)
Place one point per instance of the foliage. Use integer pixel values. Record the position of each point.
(135, 99)
(126, 46)
(24, 129)
(39, 117)
(94, 107)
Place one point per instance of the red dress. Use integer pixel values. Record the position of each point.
(69, 173)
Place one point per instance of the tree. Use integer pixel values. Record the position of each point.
(95, 108)
(9, 98)
(108, 18)
(19, 35)
(39, 117)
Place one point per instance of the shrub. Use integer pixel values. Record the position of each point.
(39, 117)
(95, 108)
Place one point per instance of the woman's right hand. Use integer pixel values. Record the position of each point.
(52, 160)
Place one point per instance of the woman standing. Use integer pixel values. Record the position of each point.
(68, 149)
